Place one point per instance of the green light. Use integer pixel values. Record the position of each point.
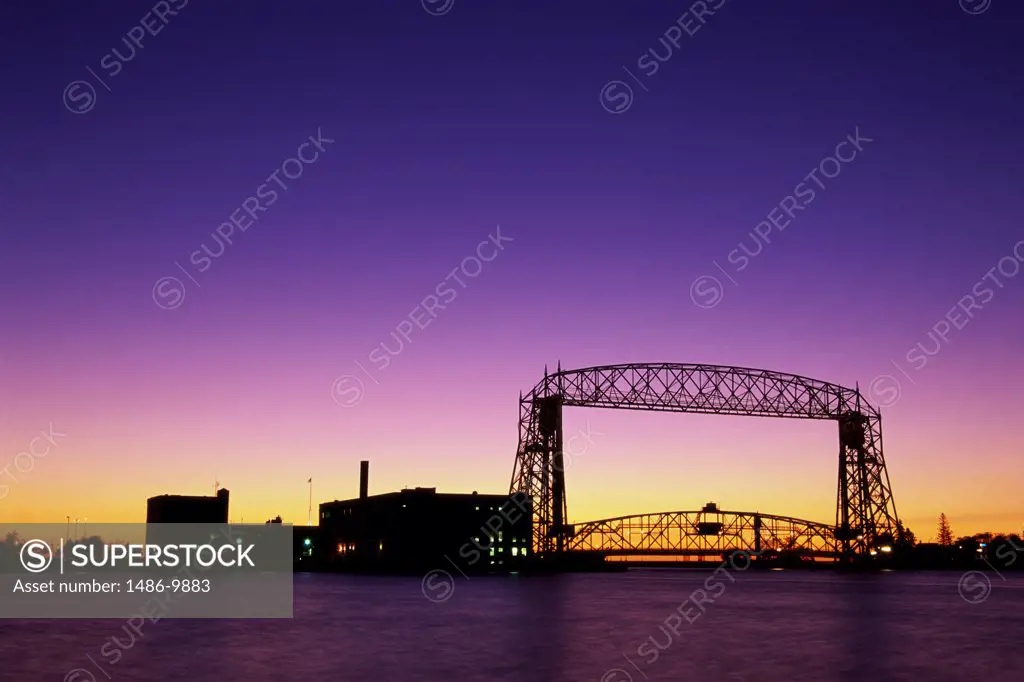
(307, 542)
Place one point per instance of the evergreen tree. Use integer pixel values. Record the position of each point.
(945, 532)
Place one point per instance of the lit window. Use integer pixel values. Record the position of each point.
(515, 551)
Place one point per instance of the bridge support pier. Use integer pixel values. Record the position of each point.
(550, 418)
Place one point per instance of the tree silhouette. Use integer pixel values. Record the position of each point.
(945, 532)
(905, 538)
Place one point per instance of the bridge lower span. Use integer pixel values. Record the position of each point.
(707, 533)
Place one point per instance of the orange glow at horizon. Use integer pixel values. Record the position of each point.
(630, 463)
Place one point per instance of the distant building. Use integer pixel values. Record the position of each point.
(188, 509)
(417, 530)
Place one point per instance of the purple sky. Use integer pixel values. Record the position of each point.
(444, 128)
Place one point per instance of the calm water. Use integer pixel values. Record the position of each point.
(768, 627)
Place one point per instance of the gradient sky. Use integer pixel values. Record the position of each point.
(446, 127)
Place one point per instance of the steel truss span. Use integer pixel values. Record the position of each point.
(706, 533)
(865, 512)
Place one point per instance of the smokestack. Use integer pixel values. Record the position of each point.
(364, 479)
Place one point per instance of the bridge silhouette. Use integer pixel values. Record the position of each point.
(866, 521)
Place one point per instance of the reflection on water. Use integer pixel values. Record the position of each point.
(768, 627)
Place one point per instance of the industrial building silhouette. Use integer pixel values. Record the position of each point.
(409, 531)
(188, 508)
(419, 529)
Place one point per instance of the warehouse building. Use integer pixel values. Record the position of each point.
(417, 530)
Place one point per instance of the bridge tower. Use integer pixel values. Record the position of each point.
(863, 502)
(540, 465)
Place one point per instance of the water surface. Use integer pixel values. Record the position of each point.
(764, 627)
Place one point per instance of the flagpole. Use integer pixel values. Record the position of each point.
(309, 514)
